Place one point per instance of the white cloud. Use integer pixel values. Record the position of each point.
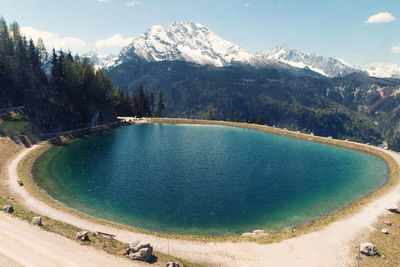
(53, 40)
(103, 0)
(117, 40)
(246, 5)
(381, 17)
(356, 54)
(395, 49)
(133, 3)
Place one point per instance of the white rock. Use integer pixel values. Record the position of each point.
(37, 221)
(247, 234)
(139, 251)
(368, 249)
(385, 231)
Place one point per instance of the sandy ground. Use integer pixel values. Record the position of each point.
(327, 247)
(22, 244)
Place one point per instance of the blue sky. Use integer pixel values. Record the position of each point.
(327, 28)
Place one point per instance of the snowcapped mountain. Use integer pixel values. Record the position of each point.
(382, 70)
(193, 42)
(99, 60)
(187, 41)
(330, 67)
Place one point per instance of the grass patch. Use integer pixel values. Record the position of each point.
(14, 124)
(388, 245)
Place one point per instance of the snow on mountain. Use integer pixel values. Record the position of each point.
(187, 41)
(330, 67)
(193, 42)
(99, 60)
(382, 70)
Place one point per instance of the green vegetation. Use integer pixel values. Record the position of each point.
(286, 98)
(60, 92)
(139, 104)
(14, 126)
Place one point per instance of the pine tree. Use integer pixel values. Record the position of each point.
(160, 106)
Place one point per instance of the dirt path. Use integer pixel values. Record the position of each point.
(22, 244)
(327, 247)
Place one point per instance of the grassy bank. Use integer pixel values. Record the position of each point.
(25, 167)
(388, 245)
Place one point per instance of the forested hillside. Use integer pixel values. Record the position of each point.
(70, 95)
(285, 97)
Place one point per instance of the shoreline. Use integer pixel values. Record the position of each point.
(300, 233)
(309, 222)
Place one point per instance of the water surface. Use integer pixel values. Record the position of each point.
(202, 179)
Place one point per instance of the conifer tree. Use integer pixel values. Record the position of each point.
(160, 105)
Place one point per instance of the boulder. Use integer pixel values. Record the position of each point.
(136, 246)
(247, 234)
(140, 251)
(368, 249)
(37, 221)
(385, 231)
(143, 254)
(172, 264)
(8, 208)
(83, 236)
(258, 232)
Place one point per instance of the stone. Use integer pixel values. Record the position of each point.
(368, 249)
(8, 208)
(383, 257)
(144, 254)
(385, 231)
(136, 246)
(172, 264)
(247, 234)
(388, 223)
(256, 234)
(140, 251)
(37, 221)
(83, 236)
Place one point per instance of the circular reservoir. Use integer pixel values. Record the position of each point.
(205, 180)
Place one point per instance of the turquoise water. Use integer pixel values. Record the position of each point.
(199, 179)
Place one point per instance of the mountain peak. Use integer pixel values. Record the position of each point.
(186, 41)
(99, 60)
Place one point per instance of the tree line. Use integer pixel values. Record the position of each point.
(61, 91)
(139, 103)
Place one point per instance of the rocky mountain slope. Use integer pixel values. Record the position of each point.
(331, 67)
(99, 60)
(188, 41)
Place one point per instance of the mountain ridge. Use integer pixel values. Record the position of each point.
(193, 42)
